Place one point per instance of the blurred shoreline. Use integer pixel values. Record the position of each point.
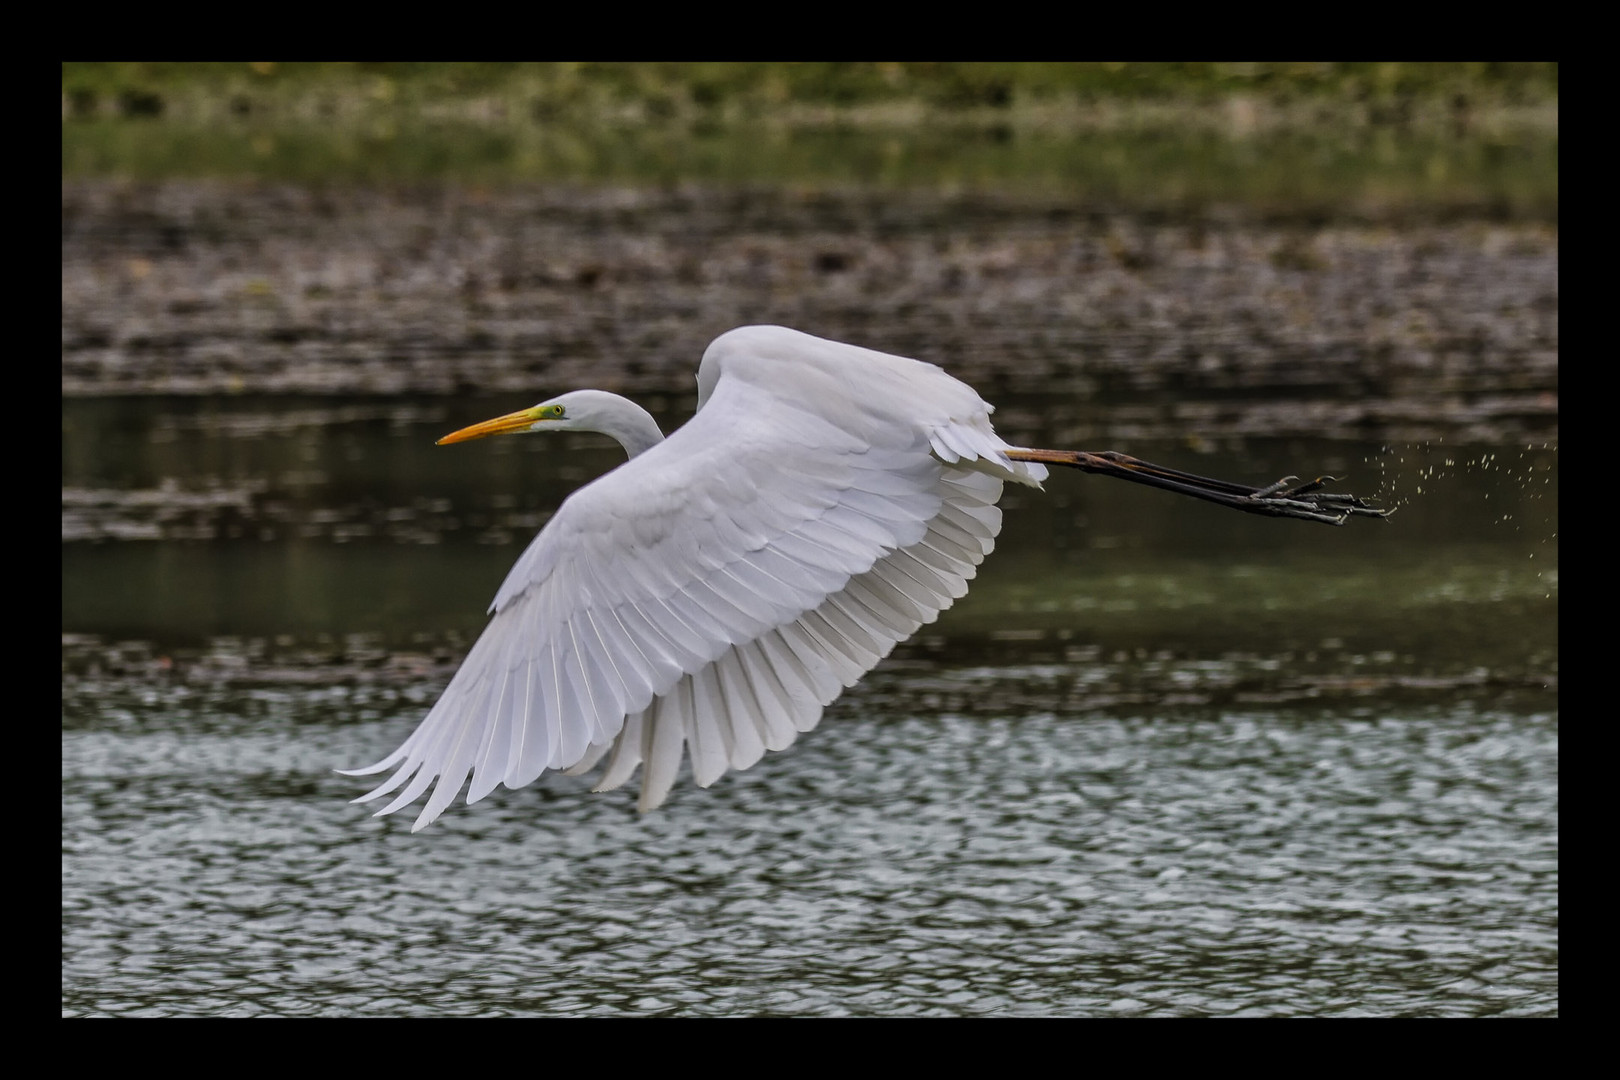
(1229, 324)
(1302, 140)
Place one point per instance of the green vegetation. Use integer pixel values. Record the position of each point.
(1375, 138)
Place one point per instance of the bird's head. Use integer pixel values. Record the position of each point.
(580, 410)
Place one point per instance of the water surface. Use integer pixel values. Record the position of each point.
(1163, 759)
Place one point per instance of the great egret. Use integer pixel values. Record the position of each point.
(721, 588)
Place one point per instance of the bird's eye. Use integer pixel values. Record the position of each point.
(555, 411)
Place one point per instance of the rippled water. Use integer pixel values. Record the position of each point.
(1160, 760)
(1332, 861)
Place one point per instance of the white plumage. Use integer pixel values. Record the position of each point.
(713, 594)
(723, 586)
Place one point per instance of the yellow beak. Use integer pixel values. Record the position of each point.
(521, 420)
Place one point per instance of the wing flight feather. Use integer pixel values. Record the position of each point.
(711, 596)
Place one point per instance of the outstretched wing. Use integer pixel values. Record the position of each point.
(713, 593)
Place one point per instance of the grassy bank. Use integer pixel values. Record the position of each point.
(1286, 138)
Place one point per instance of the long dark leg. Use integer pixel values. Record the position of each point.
(1286, 498)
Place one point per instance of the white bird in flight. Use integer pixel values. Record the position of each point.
(716, 592)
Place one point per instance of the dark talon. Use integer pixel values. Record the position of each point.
(1315, 485)
(1307, 502)
(1278, 487)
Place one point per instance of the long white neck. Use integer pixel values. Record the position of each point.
(628, 422)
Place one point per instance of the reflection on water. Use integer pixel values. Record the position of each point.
(1162, 759)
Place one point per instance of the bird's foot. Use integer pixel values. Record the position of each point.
(1285, 498)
